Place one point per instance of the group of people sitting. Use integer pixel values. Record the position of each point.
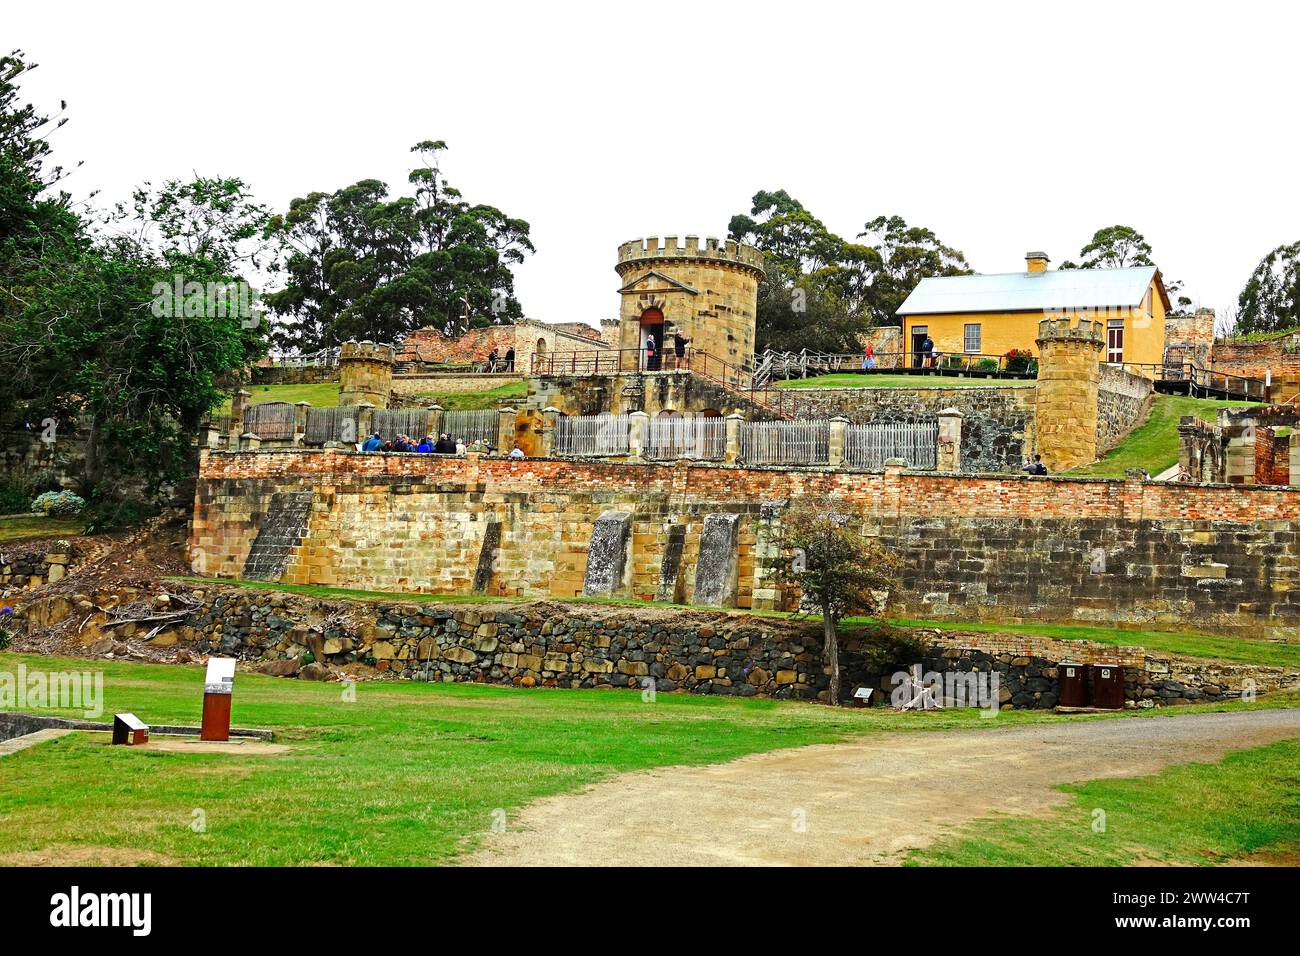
(444, 444)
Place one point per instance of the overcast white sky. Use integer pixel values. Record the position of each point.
(1003, 127)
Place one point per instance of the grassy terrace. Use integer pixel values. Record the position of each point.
(1154, 444)
(890, 380)
(27, 527)
(1241, 807)
(1190, 643)
(326, 395)
(407, 773)
(489, 398)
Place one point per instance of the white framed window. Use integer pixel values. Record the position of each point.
(971, 337)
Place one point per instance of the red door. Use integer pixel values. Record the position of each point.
(652, 330)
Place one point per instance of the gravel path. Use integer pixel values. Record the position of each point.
(867, 802)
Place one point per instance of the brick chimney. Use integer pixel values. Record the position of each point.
(1036, 261)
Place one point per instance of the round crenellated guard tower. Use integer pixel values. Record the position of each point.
(365, 373)
(1069, 375)
(707, 293)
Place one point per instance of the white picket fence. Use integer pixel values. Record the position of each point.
(591, 436)
(785, 443)
(869, 446)
(672, 437)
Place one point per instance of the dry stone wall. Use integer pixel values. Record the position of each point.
(569, 645)
(1123, 401)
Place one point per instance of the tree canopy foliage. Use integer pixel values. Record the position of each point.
(83, 338)
(362, 264)
(821, 291)
(838, 571)
(1123, 247)
(1270, 300)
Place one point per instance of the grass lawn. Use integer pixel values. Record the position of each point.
(1190, 643)
(1195, 813)
(406, 773)
(1154, 444)
(27, 527)
(888, 380)
(326, 395)
(321, 395)
(401, 775)
(488, 398)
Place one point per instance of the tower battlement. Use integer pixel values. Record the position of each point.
(669, 247)
(1066, 329)
(372, 351)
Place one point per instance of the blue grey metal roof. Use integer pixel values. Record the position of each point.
(1030, 291)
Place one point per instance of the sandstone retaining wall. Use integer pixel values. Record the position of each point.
(973, 547)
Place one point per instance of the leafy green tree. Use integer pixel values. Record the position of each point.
(1113, 247)
(1270, 301)
(1122, 247)
(361, 264)
(83, 339)
(822, 292)
(37, 224)
(838, 571)
(907, 254)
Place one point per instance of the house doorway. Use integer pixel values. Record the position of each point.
(919, 334)
(1115, 341)
(652, 330)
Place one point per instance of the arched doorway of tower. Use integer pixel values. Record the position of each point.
(652, 338)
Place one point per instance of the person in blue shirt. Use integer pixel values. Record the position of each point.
(426, 446)
(373, 443)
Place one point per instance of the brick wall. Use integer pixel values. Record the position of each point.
(979, 548)
(1273, 456)
(1280, 357)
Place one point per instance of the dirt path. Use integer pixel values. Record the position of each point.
(862, 803)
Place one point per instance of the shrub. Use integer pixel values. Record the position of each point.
(986, 365)
(19, 488)
(6, 615)
(109, 514)
(59, 504)
(1020, 360)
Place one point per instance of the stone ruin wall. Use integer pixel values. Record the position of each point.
(1278, 358)
(1258, 445)
(987, 548)
(1190, 338)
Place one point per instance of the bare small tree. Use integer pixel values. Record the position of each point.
(838, 570)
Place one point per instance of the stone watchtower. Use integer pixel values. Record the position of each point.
(706, 292)
(1069, 372)
(365, 373)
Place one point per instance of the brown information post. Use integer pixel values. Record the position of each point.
(217, 687)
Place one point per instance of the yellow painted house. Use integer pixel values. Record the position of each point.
(992, 314)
